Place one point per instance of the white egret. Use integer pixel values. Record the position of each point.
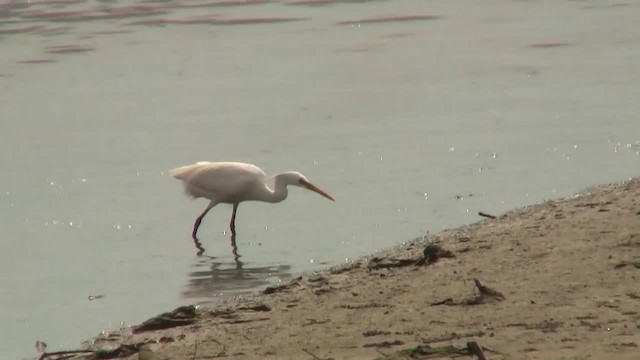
(234, 182)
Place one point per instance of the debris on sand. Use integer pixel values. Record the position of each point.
(107, 352)
(433, 253)
(430, 255)
(184, 315)
(481, 295)
(280, 288)
(428, 352)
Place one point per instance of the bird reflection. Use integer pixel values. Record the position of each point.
(236, 256)
(198, 245)
(234, 251)
(228, 275)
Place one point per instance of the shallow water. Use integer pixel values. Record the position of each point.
(414, 115)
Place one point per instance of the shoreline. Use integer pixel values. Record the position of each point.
(565, 276)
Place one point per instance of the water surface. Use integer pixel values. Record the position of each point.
(414, 115)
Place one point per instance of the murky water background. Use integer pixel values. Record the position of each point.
(415, 115)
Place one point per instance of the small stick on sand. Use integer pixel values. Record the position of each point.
(308, 352)
(245, 336)
(482, 213)
(381, 353)
(484, 290)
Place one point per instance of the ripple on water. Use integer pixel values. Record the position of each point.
(328, 2)
(37, 61)
(548, 44)
(258, 20)
(101, 13)
(68, 49)
(193, 20)
(110, 32)
(55, 2)
(399, 35)
(215, 20)
(224, 3)
(55, 30)
(370, 47)
(22, 30)
(390, 19)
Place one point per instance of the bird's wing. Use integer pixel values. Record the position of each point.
(223, 181)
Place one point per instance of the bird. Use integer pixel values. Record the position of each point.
(233, 183)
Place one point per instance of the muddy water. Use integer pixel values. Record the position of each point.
(414, 115)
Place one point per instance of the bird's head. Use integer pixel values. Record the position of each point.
(297, 179)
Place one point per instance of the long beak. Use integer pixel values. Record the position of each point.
(314, 188)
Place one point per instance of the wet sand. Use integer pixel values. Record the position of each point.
(558, 280)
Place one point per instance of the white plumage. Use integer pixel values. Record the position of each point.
(226, 182)
(234, 182)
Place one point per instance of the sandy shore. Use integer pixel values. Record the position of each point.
(566, 276)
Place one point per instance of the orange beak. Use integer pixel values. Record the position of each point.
(314, 188)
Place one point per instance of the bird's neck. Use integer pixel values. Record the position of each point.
(279, 191)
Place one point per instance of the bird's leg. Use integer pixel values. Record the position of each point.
(196, 225)
(232, 225)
